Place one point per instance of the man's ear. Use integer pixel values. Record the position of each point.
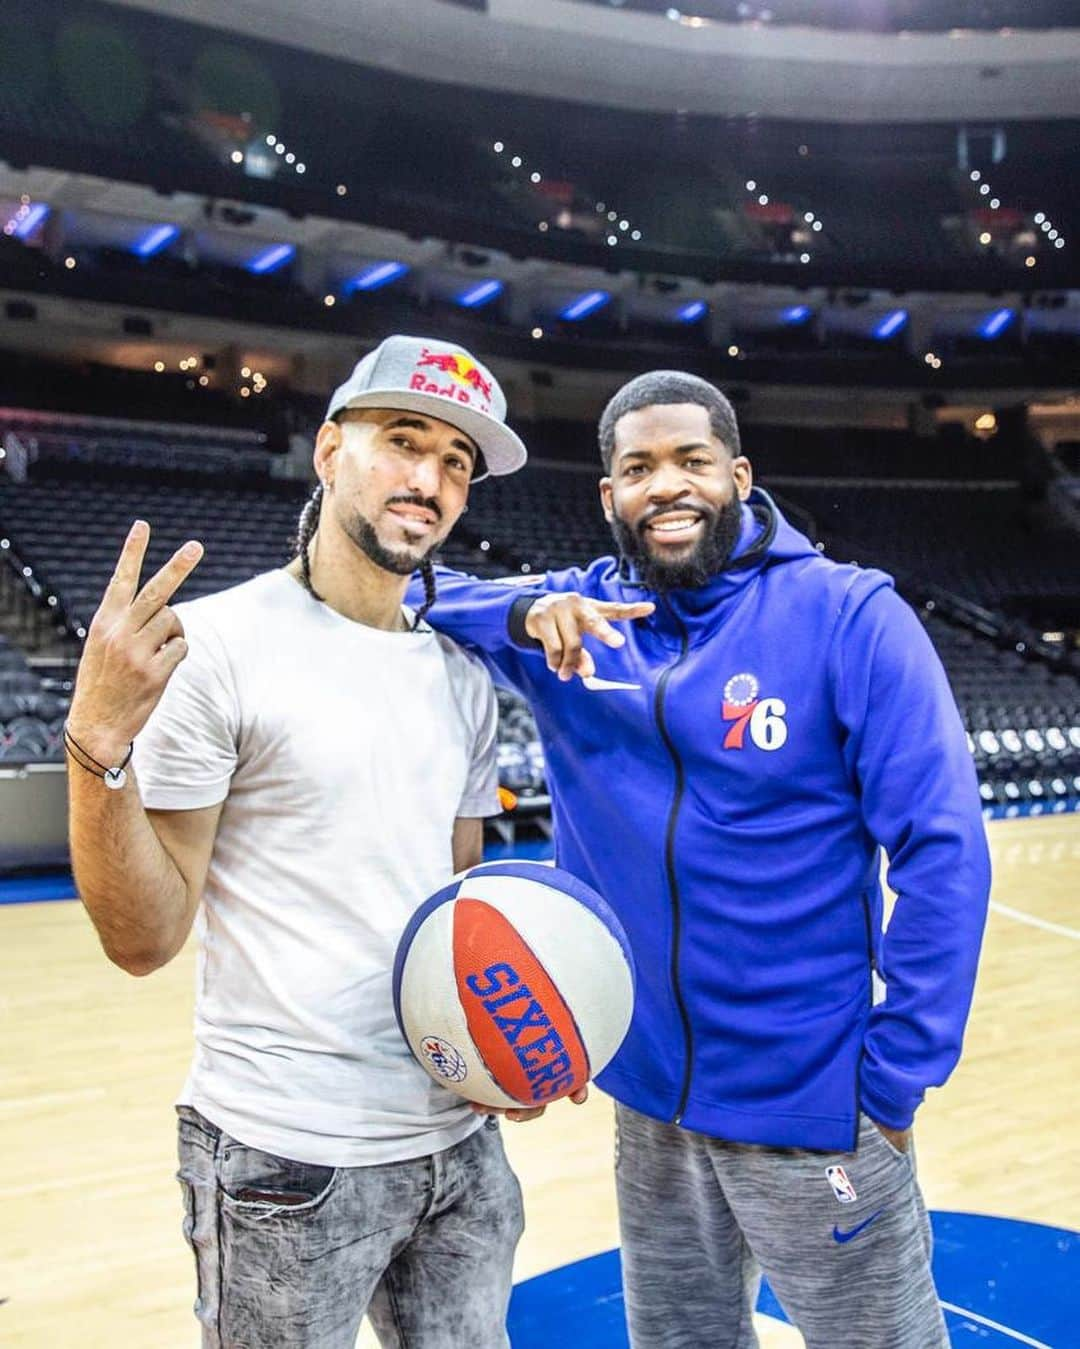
(327, 444)
(743, 473)
(606, 500)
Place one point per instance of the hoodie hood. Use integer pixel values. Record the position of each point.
(765, 539)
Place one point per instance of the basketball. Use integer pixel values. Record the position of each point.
(514, 985)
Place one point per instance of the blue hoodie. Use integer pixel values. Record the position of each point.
(782, 724)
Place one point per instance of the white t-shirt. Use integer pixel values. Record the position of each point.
(343, 755)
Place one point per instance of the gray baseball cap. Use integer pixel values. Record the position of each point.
(420, 374)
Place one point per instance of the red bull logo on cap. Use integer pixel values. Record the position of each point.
(466, 377)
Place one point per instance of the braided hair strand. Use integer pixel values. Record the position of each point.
(305, 532)
(427, 575)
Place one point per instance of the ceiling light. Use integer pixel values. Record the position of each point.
(154, 240)
(480, 294)
(891, 324)
(271, 259)
(376, 276)
(28, 218)
(585, 304)
(995, 324)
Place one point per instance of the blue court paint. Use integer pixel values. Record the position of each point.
(1002, 1282)
(529, 849)
(34, 889)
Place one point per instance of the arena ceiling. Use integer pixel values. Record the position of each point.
(620, 58)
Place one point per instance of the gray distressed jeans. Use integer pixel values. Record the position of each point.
(847, 1251)
(290, 1256)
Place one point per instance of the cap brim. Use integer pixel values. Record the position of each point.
(503, 451)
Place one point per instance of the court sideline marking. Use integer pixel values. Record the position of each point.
(1021, 917)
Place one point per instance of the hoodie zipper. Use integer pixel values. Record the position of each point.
(871, 965)
(669, 862)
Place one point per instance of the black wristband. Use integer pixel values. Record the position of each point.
(519, 611)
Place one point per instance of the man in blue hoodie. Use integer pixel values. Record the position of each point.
(726, 774)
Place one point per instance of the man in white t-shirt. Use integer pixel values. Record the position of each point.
(310, 762)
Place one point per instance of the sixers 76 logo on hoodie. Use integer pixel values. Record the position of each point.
(764, 717)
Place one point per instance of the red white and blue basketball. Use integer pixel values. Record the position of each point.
(514, 985)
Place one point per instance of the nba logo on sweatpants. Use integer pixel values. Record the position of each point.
(841, 1186)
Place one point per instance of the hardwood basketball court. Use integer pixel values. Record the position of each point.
(90, 1247)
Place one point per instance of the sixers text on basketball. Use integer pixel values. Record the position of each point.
(517, 1014)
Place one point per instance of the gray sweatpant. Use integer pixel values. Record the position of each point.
(701, 1218)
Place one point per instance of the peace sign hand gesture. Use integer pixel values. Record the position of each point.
(133, 645)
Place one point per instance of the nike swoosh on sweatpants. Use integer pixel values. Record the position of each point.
(852, 1233)
(597, 685)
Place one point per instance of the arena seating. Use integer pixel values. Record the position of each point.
(976, 539)
(1022, 717)
(70, 532)
(982, 541)
(31, 717)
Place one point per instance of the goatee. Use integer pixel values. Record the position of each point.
(709, 555)
(400, 562)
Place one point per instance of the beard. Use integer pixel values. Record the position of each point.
(708, 556)
(402, 561)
